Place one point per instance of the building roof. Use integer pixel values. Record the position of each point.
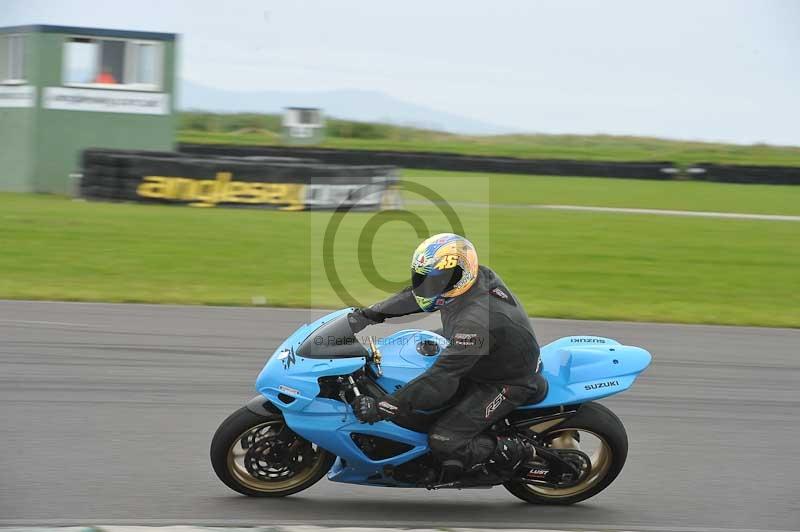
(92, 32)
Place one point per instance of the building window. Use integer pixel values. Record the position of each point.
(145, 64)
(309, 117)
(12, 57)
(112, 63)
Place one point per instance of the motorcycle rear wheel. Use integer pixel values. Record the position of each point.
(248, 458)
(592, 422)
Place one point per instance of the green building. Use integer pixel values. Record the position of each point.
(64, 89)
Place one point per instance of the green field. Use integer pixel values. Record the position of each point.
(562, 264)
(255, 129)
(592, 191)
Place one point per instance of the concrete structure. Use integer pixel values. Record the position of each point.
(303, 125)
(64, 89)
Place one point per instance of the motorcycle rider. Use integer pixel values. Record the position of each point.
(492, 357)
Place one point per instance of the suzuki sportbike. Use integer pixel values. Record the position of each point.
(302, 427)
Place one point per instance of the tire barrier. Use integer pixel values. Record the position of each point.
(767, 175)
(448, 161)
(773, 175)
(267, 182)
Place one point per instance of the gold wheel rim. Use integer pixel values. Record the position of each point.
(280, 482)
(600, 458)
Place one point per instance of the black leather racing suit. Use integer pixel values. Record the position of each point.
(492, 354)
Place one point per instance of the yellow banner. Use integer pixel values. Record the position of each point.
(208, 192)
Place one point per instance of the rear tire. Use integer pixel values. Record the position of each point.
(601, 422)
(240, 431)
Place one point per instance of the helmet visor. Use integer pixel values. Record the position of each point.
(432, 285)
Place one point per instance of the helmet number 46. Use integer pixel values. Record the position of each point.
(447, 262)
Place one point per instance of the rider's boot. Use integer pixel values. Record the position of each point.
(452, 470)
(511, 454)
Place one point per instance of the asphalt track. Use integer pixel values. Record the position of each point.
(106, 412)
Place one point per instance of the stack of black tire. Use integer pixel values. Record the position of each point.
(118, 174)
(104, 173)
(765, 175)
(448, 161)
(773, 175)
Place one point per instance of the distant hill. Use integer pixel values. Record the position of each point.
(367, 106)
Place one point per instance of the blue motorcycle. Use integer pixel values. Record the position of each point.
(301, 426)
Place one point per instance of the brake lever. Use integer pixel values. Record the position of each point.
(343, 388)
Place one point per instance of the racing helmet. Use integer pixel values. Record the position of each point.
(443, 266)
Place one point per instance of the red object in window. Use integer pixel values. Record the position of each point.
(105, 77)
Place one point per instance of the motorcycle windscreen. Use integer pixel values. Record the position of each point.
(333, 339)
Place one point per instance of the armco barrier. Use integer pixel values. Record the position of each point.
(283, 183)
(448, 161)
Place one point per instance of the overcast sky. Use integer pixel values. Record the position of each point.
(712, 69)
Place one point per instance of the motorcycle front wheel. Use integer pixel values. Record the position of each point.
(260, 456)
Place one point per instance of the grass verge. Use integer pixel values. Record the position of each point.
(571, 265)
(605, 192)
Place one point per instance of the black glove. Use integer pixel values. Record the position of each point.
(361, 318)
(370, 410)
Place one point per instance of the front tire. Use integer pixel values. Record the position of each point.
(260, 456)
(593, 421)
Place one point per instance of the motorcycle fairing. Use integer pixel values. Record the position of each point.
(597, 368)
(290, 381)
